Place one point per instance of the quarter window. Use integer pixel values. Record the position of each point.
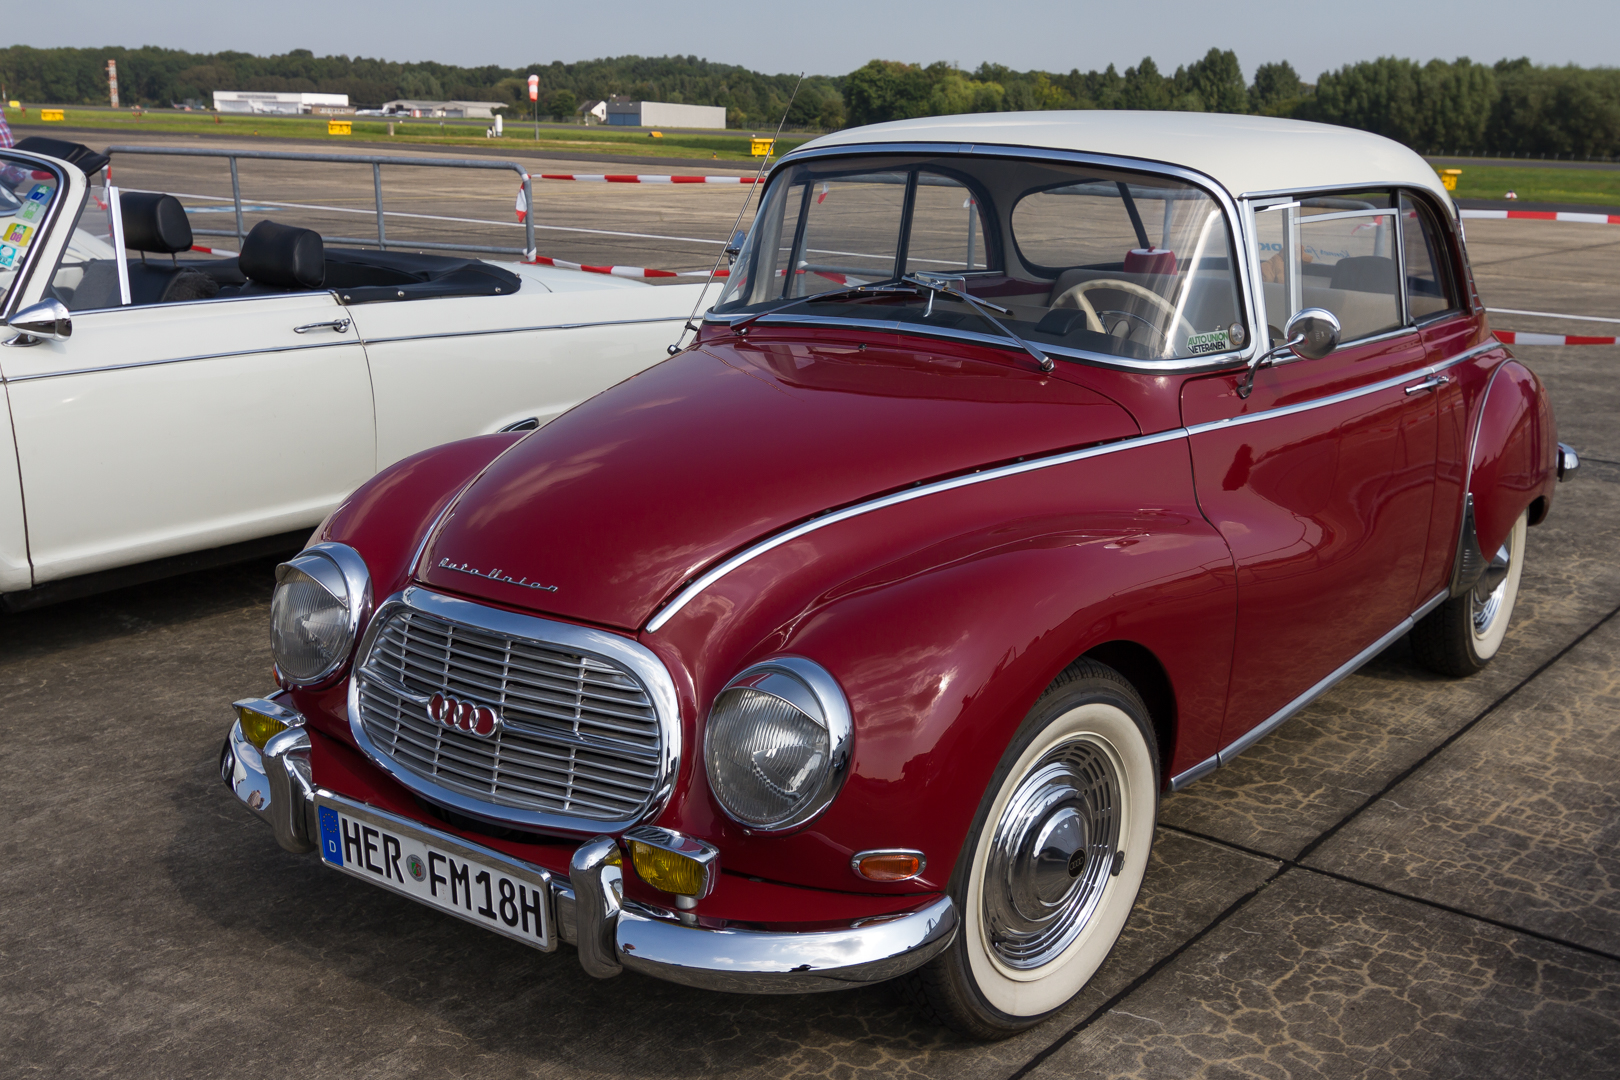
(1428, 286)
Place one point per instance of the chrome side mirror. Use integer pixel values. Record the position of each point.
(1310, 334)
(46, 320)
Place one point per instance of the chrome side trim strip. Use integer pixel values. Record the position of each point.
(301, 347)
(1343, 396)
(689, 593)
(1278, 718)
(686, 595)
(522, 329)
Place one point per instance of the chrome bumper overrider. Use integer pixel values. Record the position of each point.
(612, 933)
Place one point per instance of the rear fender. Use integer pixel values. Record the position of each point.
(1514, 457)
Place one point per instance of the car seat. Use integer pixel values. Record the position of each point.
(156, 223)
(281, 258)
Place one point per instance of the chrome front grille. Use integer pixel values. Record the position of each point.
(580, 738)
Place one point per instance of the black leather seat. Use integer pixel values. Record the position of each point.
(155, 223)
(1365, 273)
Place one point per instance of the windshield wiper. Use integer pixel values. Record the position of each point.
(981, 307)
(893, 285)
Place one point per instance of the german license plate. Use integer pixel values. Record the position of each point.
(481, 886)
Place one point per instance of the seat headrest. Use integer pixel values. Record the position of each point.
(154, 222)
(284, 256)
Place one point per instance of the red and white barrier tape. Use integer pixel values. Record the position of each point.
(1519, 337)
(623, 271)
(522, 206)
(1544, 215)
(214, 251)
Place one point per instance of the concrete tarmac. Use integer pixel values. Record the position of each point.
(1417, 876)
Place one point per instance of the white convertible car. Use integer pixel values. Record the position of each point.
(170, 413)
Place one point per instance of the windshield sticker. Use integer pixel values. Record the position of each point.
(18, 234)
(40, 193)
(31, 211)
(1207, 343)
(8, 257)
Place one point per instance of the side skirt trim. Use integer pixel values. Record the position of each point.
(1282, 715)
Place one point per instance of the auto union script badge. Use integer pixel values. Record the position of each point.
(495, 575)
(458, 715)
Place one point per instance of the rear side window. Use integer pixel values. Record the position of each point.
(1429, 289)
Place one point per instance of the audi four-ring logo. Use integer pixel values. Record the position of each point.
(458, 715)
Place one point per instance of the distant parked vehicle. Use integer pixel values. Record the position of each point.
(162, 404)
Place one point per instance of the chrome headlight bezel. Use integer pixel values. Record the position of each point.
(342, 573)
(808, 688)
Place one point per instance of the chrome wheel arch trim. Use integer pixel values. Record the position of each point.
(629, 654)
(748, 554)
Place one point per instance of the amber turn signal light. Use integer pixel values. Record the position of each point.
(257, 727)
(896, 865)
(673, 862)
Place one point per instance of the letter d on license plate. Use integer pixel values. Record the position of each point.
(481, 886)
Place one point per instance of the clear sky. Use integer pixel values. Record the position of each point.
(832, 37)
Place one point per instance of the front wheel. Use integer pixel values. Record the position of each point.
(1055, 859)
(1461, 635)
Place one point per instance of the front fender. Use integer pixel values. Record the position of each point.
(1514, 458)
(943, 620)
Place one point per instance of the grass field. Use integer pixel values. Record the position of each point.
(1596, 186)
(519, 136)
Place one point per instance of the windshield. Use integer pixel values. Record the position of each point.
(1091, 260)
(26, 193)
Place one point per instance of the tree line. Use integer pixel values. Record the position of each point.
(1512, 107)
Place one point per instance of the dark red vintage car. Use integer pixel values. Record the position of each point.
(1028, 467)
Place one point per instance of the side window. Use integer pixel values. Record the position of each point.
(1429, 290)
(87, 277)
(1335, 252)
(947, 228)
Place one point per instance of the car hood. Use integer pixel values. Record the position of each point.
(604, 513)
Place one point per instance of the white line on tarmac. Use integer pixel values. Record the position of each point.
(1550, 315)
(455, 220)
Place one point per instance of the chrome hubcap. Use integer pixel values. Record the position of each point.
(1053, 854)
(1486, 598)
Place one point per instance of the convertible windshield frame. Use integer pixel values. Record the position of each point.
(43, 233)
(1238, 225)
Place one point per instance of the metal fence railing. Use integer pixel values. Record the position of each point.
(376, 162)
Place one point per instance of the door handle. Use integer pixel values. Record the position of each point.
(340, 325)
(1431, 383)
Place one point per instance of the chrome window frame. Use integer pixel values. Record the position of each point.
(628, 654)
(1168, 366)
(1253, 203)
(42, 231)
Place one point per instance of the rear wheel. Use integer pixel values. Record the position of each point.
(1462, 635)
(1053, 864)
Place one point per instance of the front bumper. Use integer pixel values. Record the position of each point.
(610, 932)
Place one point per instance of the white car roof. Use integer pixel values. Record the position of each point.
(1244, 154)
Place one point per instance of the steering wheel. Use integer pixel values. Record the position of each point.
(1076, 297)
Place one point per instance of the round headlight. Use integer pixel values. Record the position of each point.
(315, 612)
(777, 745)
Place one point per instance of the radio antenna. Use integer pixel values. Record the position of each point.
(747, 198)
